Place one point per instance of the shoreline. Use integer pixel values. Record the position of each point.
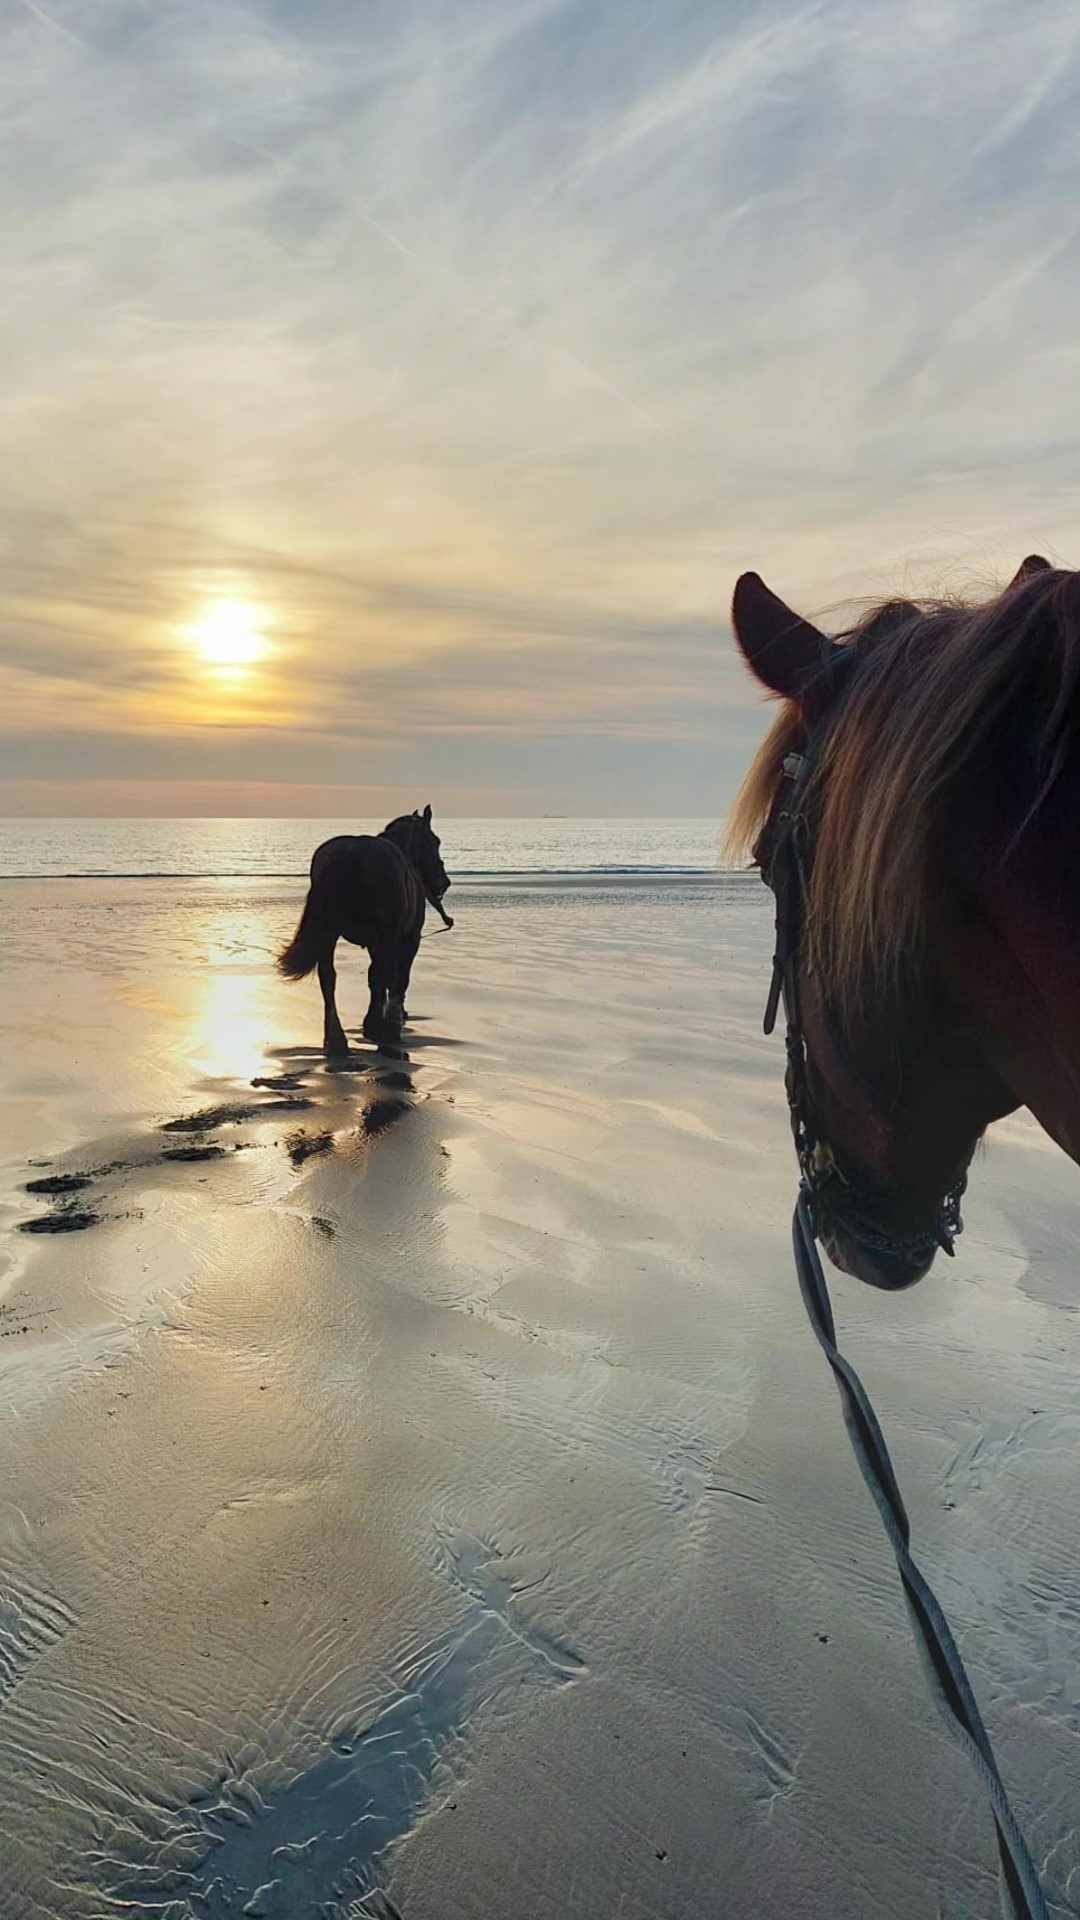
(539, 878)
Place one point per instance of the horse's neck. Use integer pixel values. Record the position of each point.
(403, 842)
(1012, 946)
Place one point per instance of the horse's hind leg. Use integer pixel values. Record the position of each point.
(334, 1041)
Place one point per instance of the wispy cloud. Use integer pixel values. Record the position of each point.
(482, 345)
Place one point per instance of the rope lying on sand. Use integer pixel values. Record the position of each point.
(1022, 1897)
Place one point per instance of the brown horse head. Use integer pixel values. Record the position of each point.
(938, 967)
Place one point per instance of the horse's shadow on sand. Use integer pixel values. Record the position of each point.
(326, 1105)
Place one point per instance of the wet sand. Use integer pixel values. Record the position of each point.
(420, 1493)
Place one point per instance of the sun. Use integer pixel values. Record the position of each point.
(228, 635)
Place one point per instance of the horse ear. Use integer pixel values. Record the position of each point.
(1033, 564)
(787, 654)
(427, 815)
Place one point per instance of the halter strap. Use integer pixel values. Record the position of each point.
(835, 1190)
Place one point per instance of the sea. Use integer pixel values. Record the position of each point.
(281, 849)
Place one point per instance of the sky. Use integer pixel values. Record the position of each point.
(465, 351)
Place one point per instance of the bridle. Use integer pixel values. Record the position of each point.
(838, 1196)
(829, 1196)
(408, 845)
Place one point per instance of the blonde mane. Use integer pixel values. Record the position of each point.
(932, 690)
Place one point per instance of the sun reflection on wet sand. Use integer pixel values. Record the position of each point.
(227, 1029)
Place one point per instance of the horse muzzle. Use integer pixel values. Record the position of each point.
(877, 1261)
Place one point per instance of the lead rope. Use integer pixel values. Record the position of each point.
(1022, 1896)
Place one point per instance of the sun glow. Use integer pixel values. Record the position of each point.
(228, 635)
(229, 1017)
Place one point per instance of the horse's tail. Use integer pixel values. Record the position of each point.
(307, 946)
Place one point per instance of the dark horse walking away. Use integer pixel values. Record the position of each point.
(925, 771)
(372, 890)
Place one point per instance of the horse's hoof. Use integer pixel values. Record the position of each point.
(335, 1046)
(372, 1030)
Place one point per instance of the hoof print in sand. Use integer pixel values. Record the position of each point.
(66, 1216)
(210, 1150)
(235, 1113)
(301, 1146)
(65, 1220)
(210, 1117)
(59, 1183)
(382, 1114)
(188, 1141)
